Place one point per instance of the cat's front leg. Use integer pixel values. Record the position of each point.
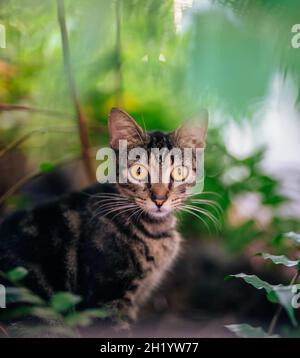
(123, 314)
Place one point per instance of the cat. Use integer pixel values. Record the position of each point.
(111, 244)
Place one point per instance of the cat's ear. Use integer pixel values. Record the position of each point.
(122, 126)
(192, 133)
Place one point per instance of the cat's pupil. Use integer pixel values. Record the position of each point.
(139, 171)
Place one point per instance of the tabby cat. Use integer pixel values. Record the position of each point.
(111, 243)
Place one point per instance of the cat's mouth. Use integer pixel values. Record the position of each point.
(159, 212)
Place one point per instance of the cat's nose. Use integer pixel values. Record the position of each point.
(159, 200)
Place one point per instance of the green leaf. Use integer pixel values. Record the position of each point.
(78, 319)
(293, 236)
(285, 296)
(279, 260)
(254, 281)
(283, 293)
(85, 318)
(99, 313)
(272, 297)
(63, 301)
(246, 331)
(21, 294)
(45, 313)
(47, 167)
(16, 313)
(17, 274)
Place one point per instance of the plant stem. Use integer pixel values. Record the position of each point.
(4, 331)
(83, 133)
(279, 309)
(20, 183)
(18, 107)
(26, 136)
(119, 77)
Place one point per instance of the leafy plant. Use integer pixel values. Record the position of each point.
(279, 294)
(59, 309)
(247, 331)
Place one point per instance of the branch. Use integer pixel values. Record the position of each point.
(20, 183)
(83, 133)
(4, 331)
(119, 77)
(12, 190)
(26, 136)
(17, 107)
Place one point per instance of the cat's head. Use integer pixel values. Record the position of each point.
(162, 195)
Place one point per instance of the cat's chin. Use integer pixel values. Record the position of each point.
(159, 214)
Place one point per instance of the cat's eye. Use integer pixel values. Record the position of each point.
(179, 173)
(138, 172)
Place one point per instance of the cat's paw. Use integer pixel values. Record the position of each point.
(122, 326)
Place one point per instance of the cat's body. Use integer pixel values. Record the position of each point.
(108, 259)
(111, 243)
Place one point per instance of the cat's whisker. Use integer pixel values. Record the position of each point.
(113, 201)
(206, 213)
(114, 208)
(102, 195)
(198, 216)
(124, 211)
(110, 209)
(216, 206)
(138, 210)
(110, 201)
(205, 193)
(140, 214)
(117, 211)
(111, 206)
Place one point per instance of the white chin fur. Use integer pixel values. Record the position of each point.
(159, 214)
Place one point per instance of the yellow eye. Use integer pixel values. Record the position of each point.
(138, 172)
(179, 173)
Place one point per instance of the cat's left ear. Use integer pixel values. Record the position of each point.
(192, 133)
(123, 127)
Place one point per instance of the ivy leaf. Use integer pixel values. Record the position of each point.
(275, 293)
(253, 280)
(279, 260)
(246, 331)
(63, 301)
(285, 296)
(293, 236)
(17, 274)
(47, 167)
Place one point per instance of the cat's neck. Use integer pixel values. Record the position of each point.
(159, 225)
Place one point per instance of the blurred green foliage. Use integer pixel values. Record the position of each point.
(57, 317)
(286, 296)
(224, 59)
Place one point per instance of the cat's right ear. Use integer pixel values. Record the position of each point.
(192, 133)
(122, 126)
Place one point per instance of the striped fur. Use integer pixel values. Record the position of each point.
(90, 244)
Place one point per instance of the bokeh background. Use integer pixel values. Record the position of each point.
(162, 61)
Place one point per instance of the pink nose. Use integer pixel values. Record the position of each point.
(159, 202)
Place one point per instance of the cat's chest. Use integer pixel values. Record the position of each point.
(161, 255)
